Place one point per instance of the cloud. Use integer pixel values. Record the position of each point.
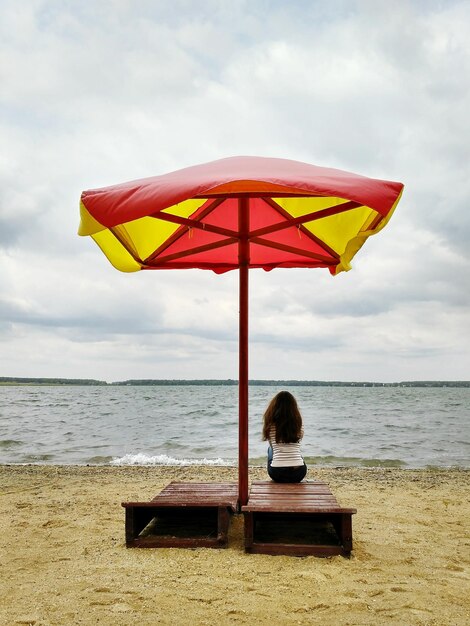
(98, 93)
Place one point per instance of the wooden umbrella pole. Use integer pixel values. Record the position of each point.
(244, 261)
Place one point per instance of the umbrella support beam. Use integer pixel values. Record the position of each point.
(244, 261)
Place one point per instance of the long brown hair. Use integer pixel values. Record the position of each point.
(283, 413)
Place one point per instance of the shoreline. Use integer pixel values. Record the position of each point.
(63, 553)
(365, 464)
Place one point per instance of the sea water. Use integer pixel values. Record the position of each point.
(192, 424)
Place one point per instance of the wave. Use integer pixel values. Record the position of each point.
(99, 460)
(36, 458)
(353, 461)
(9, 443)
(163, 459)
(340, 461)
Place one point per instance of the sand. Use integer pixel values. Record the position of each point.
(63, 559)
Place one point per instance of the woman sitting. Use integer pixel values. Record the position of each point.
(282, 428)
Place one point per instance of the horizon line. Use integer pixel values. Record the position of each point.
(226, 381)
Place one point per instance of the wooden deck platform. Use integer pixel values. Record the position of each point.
(298, 519)
(183, 515)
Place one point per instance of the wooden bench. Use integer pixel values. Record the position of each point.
(183, 515)
(298, 519)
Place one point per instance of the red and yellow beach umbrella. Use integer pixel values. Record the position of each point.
(239, 213)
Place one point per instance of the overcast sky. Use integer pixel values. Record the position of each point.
(96, 93)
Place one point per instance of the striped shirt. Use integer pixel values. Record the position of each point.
(285, 454)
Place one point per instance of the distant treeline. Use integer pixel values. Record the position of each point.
(299, 383)
(232, 382)
(50, 381)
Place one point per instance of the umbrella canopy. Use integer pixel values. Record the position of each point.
(239, 213)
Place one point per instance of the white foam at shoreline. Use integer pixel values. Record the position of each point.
(163, 459)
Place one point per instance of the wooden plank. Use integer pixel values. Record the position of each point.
(172, 503)
(280, 499)
(290, 549)
(309, 497)
(248, 519)
(198, 500)
(320, 491)
(292, 496)
(298, 488)
(302, 484)
(297, 509)
(200, 485)
(301, 491)
(345, 532)
(309, 504)
(198, 489)
(223, 522)
(289, 489)
(176, 542)
(317, 491)
(272, 486)
(130, 526)
(270, 506)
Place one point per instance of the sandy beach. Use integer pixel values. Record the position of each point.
(64, 560)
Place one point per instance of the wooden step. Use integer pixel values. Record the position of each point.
(297, 519)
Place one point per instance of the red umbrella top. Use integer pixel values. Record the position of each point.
(300, 215)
